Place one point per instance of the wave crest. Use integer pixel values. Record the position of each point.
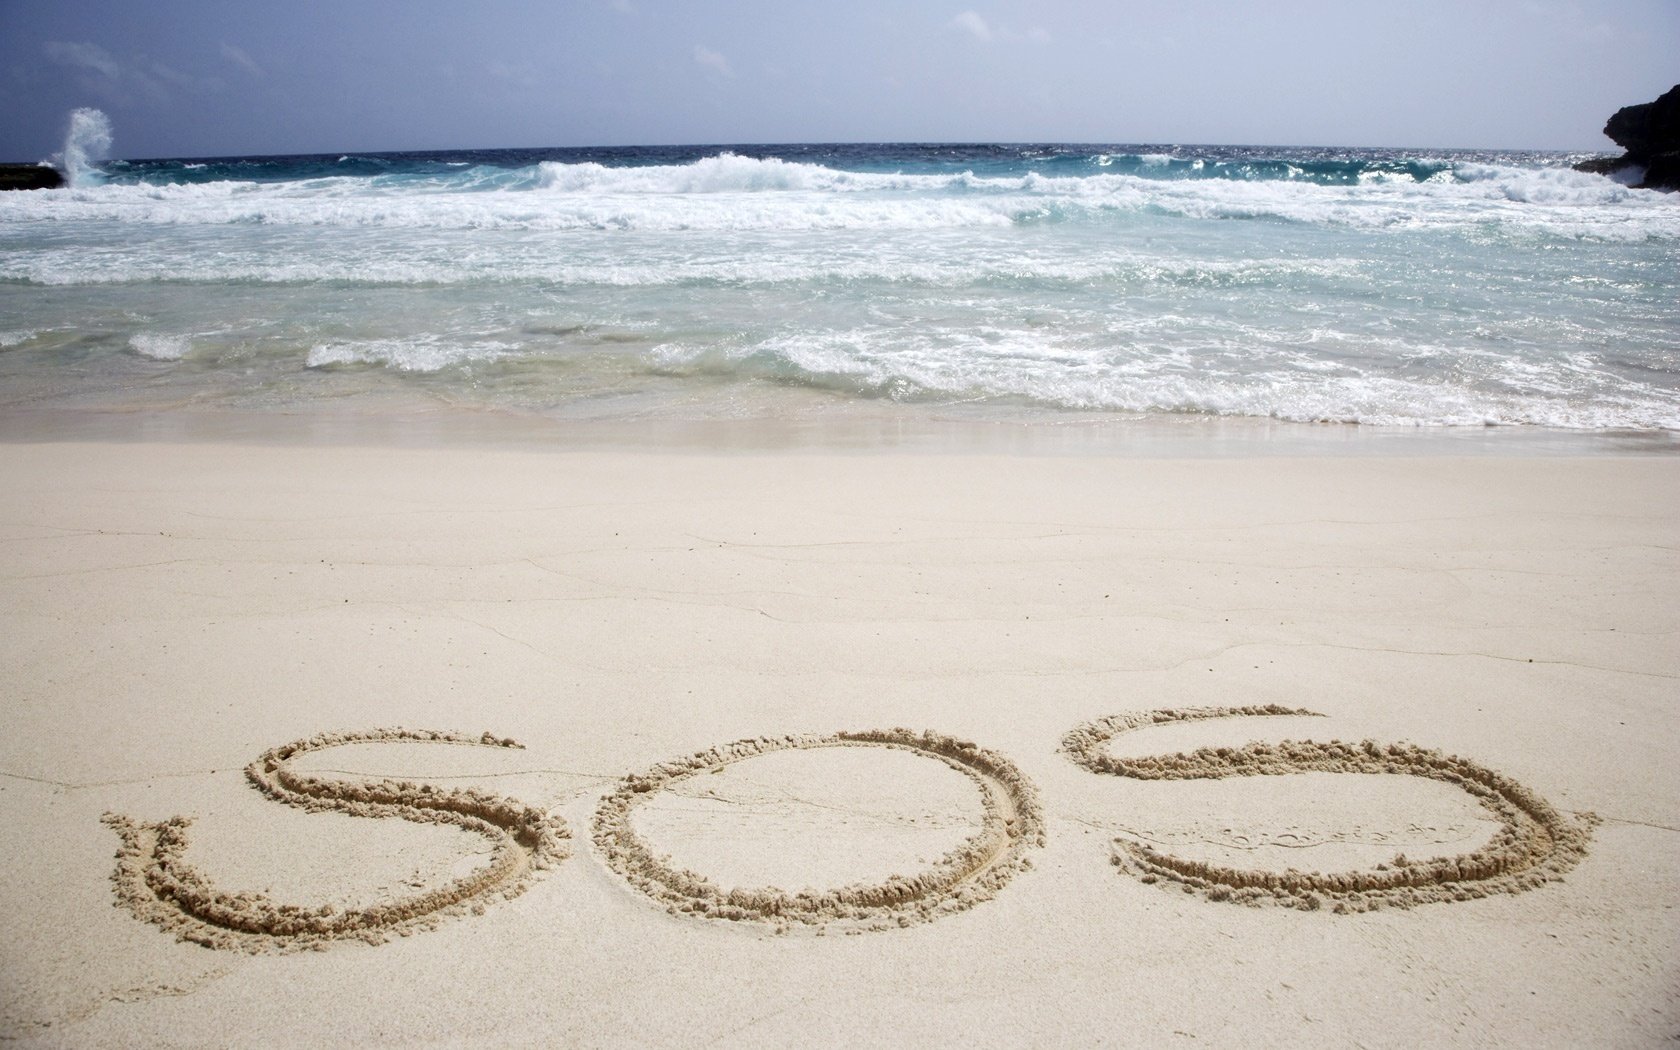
(730, 192)
(724, 173)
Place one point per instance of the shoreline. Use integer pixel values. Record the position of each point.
(852, 428)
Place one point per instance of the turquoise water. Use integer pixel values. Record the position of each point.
(1353, 286)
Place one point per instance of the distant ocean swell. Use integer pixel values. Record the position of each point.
(729, 192)
(1352, 286)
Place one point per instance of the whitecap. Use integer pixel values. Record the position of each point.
(160, 346)
(733, 193)
(418, 354)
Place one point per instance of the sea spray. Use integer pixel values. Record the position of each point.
(87, 141)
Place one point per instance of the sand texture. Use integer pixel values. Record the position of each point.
(1419, 712)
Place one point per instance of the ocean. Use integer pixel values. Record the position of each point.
(1379, 288)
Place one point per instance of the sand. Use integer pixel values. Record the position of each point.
(827, 748)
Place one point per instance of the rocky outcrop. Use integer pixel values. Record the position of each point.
(1650, 133)
(29, 177)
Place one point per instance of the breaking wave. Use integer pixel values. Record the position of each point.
(726, 192)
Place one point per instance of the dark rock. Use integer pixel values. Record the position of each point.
(1648, 129)
(1650, 133)
(29, 177)
(1602, 165)
(1662, 172)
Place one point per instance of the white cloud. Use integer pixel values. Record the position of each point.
(176, 77)
(117, 81)
(81, 55)
(971, 22)
(712, 60)
(623, 7)
(238, 57)
(974, 24)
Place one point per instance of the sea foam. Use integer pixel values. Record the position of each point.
(160, 346)
(728, 192)
(424, 354)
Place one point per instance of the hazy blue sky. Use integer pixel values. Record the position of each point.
(205, 77)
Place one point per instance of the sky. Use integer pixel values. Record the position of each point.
(194, 78)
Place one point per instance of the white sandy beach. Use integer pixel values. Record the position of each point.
(171, 611)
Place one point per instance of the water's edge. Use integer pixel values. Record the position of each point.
(871, 430)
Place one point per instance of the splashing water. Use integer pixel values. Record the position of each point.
(86, 143)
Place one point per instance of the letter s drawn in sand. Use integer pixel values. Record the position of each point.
(154, 880)
(1535, 843)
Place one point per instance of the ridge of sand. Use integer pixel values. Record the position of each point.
(1535, 844)
(968, 874)
(155, 882)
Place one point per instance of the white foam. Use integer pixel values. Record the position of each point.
(729, 192)
(399, 263)
(724, 173)
(160, 346)
(418, 354)
(964, 363)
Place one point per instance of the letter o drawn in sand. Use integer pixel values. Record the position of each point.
(154, 880)
(972, 872)
(1534, 845)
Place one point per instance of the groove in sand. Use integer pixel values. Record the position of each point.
(1534, 845)
(972, 872)
(154, 881)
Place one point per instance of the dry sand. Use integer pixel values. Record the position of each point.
(704, 658)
